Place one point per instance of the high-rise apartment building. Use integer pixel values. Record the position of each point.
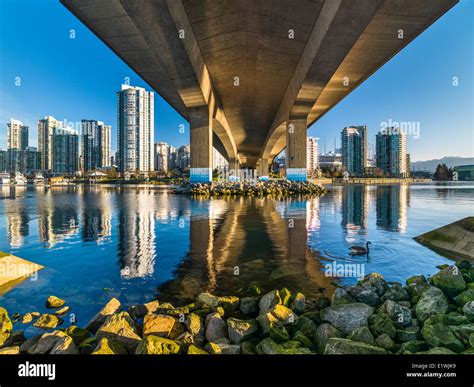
(312, 155)
(391, 155)
(354, 149)
(95, 145)
(183, 158)
(17, 135)
(65, 151)
(161, 156)
(46, 128)
(135, 130)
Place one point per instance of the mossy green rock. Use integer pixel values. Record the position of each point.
(6, 326)
(303, 340)
(285, 296)
(48, 321)
(254, 290)
(468, 310)
(268, 301)
(121, 327)
(195, 350)
(465, 297)
(77, 334)
(241, 330)
(323, 333)
(463, 332)
(411, 347)
(338, 346)
(385, 341)
(155, 345)
(279, 333)
(449, 280)
(362, 335)
(381, 323)
(437, 351)
(298, 302)
(229, 304)
(54, 302)
(269, 347)
(440, 335)
(249, 305)
(248, 347)
(109, 347)
(408, 334)
(432, 301)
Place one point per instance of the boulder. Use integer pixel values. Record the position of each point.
(341, 297)
(381, 323)
(395, 293)
(307, 327)
(431, 302)
(449, 280)
(279, 333)
(400, 315)
(216, 327)
(411, 347)
(463, 332)
(374, 280)
(162, 325)
(268, 301)
(62, 311)
(54, 302)
(248, 347)
(109, 346)
(222, 348)
(46, 342)
(29, 317)
(323, 333)
(249, 305)
(338, 346)
(113, 306)
(6, 326)
(385, 341)
(209, 299)
(440, 335)
(285, 296)
(156, 345)
(408, 334)
(229, 304)
(468, 310)
(362, 335)
(195, 350)
(77, 334)
(297, 305)
(254, 290)
(10, 350)
(121, 327)
(279, 314)
(302, 339)
(437, 351)
(27, 346)
(194, 324)
(16, 338)
(464, 297)
(241, 330)
(65, 346)
(416, 285)
(347, 317)
(269, 347)
(186, 339)
(48, 321)
(367, 295)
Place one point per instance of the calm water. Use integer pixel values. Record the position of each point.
(97, 243)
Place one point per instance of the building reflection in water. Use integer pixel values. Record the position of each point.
(96, 214)
(240, 241)
(57, 216)
(136, 233)
(392, 205)
(17, 215)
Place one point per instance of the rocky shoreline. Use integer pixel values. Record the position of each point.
(424, 316)
(273, 188)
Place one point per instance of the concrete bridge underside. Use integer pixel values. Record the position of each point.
(251, 76)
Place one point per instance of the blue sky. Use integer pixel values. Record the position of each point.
(72, 79)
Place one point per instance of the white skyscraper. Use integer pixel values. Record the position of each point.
(161, 156)
(312, 155)
(135, 130)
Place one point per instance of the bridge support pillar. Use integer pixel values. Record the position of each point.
(201, 145)
(296, 150)
(263, 167)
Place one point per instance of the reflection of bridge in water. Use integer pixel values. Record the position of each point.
(235, 243)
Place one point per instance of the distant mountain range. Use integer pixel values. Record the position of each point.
(450, 161)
